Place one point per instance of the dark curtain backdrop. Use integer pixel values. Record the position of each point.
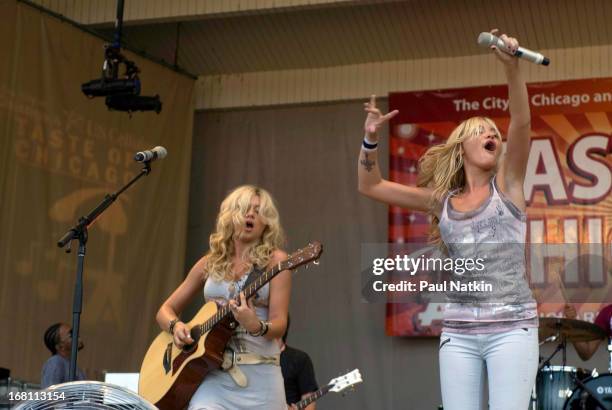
(307, 157)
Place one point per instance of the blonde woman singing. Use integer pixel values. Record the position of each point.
(248, 236)
(474, 194)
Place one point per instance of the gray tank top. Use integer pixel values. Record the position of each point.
(221, 292)
(498, 230)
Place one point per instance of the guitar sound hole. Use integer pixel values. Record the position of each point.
(190, 348)
(167, 357)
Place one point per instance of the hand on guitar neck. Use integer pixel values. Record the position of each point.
(294, 406)
(244, 313)
(311, 406)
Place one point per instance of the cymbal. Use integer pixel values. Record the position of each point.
(572, 330)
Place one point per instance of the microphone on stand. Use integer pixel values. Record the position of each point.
(151, 155)
(488, 40)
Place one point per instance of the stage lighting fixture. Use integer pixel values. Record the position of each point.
(130, 103)
(122, 92)
(103, 87)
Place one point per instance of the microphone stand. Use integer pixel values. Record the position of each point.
(546, 362)
(79, 231)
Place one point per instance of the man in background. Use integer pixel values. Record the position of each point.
(56, 370)
(586, 349)
(298, 372)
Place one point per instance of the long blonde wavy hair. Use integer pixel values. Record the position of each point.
(441, 167)
(234, 208)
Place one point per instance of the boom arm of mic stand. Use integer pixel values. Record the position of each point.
(85, 221)
(79, 231)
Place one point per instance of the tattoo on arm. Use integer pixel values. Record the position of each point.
(367, 164)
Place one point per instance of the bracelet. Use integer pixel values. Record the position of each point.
(263, 329)
(260, 331)
(369, 141)
(267, 327)
(173, 322)
(368, 145)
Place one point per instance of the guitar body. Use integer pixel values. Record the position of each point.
(170, 376)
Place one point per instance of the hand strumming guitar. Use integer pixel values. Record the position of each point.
(182, 335)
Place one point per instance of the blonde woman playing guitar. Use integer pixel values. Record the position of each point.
(248, 236)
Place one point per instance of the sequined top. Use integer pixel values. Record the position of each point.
(495, 232)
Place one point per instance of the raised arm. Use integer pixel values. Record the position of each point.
(371, 184)
(514, 164)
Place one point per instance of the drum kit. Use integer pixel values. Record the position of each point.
(566, 387)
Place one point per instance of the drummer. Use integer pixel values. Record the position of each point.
(586, 349)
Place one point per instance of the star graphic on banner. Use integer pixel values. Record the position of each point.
(400, 150)
(412, 169)
(411, 217)
(431, 137)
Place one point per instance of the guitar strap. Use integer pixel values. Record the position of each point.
(253, 276)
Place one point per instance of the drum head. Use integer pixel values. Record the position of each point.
(554, 384)
(601, 386)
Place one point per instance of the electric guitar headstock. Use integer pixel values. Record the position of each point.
(337, 385)
(342, 383)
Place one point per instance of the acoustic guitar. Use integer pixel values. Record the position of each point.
(169, 376)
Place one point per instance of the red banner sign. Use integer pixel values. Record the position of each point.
(567, 185)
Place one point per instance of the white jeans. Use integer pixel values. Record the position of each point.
(511, 362)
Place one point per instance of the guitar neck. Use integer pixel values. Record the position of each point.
(313, 397)
(249, 291)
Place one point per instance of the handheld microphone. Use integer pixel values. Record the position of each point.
(488, 40)
(151, 155)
